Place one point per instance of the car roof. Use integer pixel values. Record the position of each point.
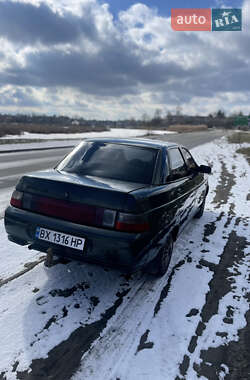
(135, 141)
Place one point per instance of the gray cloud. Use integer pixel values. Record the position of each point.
(18, 98)
(116, 71)
(28, 24)
(113, 71)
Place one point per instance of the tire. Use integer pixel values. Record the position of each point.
(164, 257)
(200, 212)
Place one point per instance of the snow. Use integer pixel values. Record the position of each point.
(30, 301)
(30, 340)
(70, 139)
(14, 257)
(5, 200)
(113, 132)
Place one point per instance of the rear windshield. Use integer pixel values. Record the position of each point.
(115, 161)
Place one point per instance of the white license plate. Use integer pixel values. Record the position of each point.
(60, 238)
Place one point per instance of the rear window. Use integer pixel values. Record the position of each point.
(109, 160)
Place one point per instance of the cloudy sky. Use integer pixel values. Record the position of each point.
(118, 59)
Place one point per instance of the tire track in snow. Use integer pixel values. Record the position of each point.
(219, 286)
(126, 336)
(28, 267)
(224, 187)
(64, 359)
(235, 356)
(165, 290)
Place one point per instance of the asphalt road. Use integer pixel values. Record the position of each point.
(191, 140)
(14, 165)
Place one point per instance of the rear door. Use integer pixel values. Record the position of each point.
(197, 178)
(184, 187)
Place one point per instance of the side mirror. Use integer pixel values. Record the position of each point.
(205, 169)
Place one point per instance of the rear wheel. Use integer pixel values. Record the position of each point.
(164, 257)
(200, 211)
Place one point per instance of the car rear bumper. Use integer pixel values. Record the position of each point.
(110, 248)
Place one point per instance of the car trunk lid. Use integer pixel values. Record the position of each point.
(82, 200)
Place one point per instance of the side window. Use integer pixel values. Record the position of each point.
(190, 162)
(178, 168)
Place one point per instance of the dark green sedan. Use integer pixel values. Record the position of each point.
(113, 202)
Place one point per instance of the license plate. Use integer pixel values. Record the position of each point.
(60, 238)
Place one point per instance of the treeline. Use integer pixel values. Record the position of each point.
(19, 123)
(218, 122)
(39, 119)
(20, 128)
(217, 119)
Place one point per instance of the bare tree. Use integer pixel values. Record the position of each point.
(178, 110)
(158, 113)
(169, 117)
(220, 114)
(145, 118)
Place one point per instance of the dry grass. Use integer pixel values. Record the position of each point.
(19, 128)
(246, 152)
(181, 128)
(239, 138)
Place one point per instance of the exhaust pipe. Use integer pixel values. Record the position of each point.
(49, 258)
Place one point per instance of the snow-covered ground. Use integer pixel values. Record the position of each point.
(84, 322)
(69, 139)
(5, 199)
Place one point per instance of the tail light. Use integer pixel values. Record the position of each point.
(16, 199)
(131, 223)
